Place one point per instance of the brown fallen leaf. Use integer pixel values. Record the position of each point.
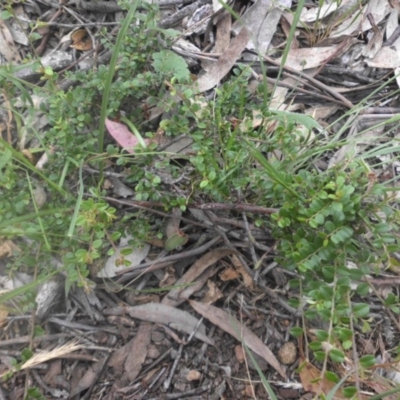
(7, 45)
(167, 315)
(89, 378)
(118, 358)
(81, 40)
(213, 293)
(239, 353)
(193, 375)
(223, 37)
(169, 277)
(247, 279)
(137, 356)
(310, 379)
(179, 294)
(231, 325)
(229, 275)
(8, 248)
(307, 58)
(224, 63)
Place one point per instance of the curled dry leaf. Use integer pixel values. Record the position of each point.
(229, 274)
(213, 293)
(81, 40)
(193, 375)
(8, 248)
(232, 326)
(247, 279)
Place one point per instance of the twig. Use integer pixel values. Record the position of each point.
(99, 374)
(129, 273)
(167, 382)
(206, 206)
(315, 82)
(182, 13)
(37, 339)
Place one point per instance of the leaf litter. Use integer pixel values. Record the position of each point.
(339, 54)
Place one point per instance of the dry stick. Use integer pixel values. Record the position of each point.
(342, 48)
(37, 339)
(42, 46)
(167, 382)
(353, 74)
(301, 90)
(99, 374)
(229, 244)
(182, 13)
(155, 380)
(155, 363)
(250, 239)
(391, 315)
(99, 6)
(183, 395)
(77, 325)
(315, 82)
(393, 37)
(43, 386)
(129, 273)
(211, 58)
(149, 205)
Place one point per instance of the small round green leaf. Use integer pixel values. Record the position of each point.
(361, 310)
(336, 355)
(349, 392)
(367, 361)
(296, 331)
(175, 241)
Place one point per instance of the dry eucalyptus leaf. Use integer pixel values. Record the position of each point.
(7, 45)
(231, 325)
(307, 58)
(138, 351)
(224, 64)
(163, 314)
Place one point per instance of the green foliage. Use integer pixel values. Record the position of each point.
(73, 134)
(166, 62)
(333, 227)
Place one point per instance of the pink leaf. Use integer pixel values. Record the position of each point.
(123, 136)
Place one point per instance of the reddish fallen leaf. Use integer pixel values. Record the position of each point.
(231, 325)
(123, 136)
